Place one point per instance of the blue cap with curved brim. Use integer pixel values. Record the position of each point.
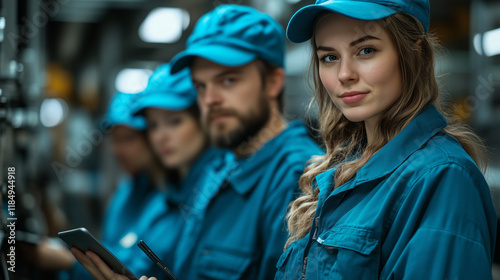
(300, 27)
(167, 91)
(234, 35)
(119, 112)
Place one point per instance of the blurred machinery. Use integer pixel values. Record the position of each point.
(20, 94)
(483, 102)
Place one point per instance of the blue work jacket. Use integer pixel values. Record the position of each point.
(236, 229)
(138, 212)
(418, 209)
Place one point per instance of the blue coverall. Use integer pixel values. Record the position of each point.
(236, 228)
(418, 209)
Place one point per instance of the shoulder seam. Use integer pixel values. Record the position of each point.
(452, 233)
(429, 169)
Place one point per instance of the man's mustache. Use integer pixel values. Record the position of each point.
(214, 113)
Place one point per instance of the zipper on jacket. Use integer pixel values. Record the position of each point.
(314, 237)
(304, 265)
(316, 224)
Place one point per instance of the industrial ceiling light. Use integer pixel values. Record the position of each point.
(132, 80)
(164, 25)
(487, 43)
(53, 111)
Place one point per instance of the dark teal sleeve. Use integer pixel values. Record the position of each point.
(114, 211)
(438, 254)
(274, 233)
(447, 227)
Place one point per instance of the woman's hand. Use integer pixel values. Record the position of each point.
(98, 268)
(95, 266)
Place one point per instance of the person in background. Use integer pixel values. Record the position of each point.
(135, 207)
(139, 199)
(178, 140)
(236, 57)
(400, 193)
(235, 228)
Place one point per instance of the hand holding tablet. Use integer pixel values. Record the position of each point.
(84, 241)
(100, 261)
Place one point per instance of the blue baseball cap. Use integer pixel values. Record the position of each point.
(300, 27)
(234, 35)
(119, 112)
(167, 91)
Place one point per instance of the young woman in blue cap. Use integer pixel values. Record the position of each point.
(399, 193)
(179, 142)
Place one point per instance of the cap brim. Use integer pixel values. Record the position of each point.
(135, 122)
(300, 27)
(162, 101)
(223, 55)
(137, 125)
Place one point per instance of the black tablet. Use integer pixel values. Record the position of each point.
(81, 239)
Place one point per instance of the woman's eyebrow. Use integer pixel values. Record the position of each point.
(352, 44)
(326, 49)
(362, 39)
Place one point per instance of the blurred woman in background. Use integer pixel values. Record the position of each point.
(135, 207)
(139, 198)
(178, 140)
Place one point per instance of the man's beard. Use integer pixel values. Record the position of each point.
(249, 125)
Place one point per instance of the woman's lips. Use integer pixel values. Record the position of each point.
(353, 96)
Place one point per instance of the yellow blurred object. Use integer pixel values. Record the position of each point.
(59, 82)
(460, 109)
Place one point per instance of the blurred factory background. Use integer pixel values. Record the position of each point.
(62, 60)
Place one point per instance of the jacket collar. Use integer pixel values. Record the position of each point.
(324, 181)
(142, 183)
(180, 192)
(423, 127)
(246, 172)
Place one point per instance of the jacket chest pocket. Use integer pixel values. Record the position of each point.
(345, 253)
(288, 265)
(226, 263)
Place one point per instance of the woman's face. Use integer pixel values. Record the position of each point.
(130, 149)
(176, 136)
(358, 66)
